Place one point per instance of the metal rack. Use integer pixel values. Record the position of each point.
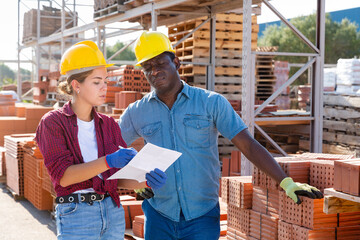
(160, 12)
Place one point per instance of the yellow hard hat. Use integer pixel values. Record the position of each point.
(151, 44)
(81, 57)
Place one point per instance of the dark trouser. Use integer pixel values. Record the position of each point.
(158, 227)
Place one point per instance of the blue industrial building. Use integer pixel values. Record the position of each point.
(353, 14)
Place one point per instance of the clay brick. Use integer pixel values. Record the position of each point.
(132, 209)
(266, 201)
(302, 233)
(322, 174)
(238, 219)
(240, 191)
(313, 215)
(289, 211)
(263, 226)
(225, 189)
(284, 231)
(225, 171)
(348, 232)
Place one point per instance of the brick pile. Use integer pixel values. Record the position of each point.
(34, 176)
(7, 105)
(26, 121)
(273, 215)
(14, 157)
(347, 176)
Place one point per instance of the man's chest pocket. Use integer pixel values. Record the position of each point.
(197, 131)
(152, 133)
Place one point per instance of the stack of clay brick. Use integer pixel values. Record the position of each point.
(272, 215)
(347, 176)
(26, 120)
(304, 96)
(7, 105)
(34, 177)
(14, 157)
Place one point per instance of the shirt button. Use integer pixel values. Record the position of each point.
(178, 170)
(198, 126)
(179, 188)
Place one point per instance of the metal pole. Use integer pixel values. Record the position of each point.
(19, 82)
(248, 84)
(62, 27)
(37, 51)
(153, 17)
(210, 73)
(317, 82)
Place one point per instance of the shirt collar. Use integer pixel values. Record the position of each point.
(67, 110)
(184, 91)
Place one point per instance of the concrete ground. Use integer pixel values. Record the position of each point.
(21, 220)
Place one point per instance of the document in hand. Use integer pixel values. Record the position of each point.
(149, 158)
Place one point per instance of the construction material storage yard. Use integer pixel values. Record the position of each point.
(300, 106)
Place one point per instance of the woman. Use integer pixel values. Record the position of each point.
(81, 150)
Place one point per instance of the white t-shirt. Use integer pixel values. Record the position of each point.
(88, 145)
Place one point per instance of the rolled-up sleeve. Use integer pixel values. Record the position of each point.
(227, 121)
(51, 139)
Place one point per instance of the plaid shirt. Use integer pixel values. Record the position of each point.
(57, 137)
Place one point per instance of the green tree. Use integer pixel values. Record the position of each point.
(127, 54)
(341, 40)
(6, 74)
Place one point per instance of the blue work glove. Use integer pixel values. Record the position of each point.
(120, 158)
(155, 179)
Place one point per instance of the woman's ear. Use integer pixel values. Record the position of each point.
(75, 85)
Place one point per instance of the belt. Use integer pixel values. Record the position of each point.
(82, 197)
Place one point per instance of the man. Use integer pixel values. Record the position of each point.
(187, 119)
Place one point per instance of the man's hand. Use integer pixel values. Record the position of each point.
(120, 158)
(155, 179)
(295, 189)
(145, 193)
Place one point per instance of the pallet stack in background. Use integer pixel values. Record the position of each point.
(228, 43)
(264, 74)
(51, 24)
(261, 210)
(341, 125)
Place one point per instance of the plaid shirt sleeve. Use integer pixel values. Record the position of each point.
(51, 139)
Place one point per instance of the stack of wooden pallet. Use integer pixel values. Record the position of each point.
(264, 73)
(50, 23)
(342, 123)
(196, 49)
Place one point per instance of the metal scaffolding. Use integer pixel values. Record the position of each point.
(169, 12)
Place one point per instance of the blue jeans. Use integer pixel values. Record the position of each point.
(102, 220)
(159, 227)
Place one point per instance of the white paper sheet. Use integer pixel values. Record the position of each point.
(149, 158)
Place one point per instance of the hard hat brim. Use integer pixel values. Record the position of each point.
(81, 70)
(152, 55)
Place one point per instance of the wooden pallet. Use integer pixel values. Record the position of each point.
(221, 88)
(16, 196)
(110, 11)
(3, 179)
(191, 70)
(338, 202)
(205, 52)
(201, 79)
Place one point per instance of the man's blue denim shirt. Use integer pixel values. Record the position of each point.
(190, 127)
